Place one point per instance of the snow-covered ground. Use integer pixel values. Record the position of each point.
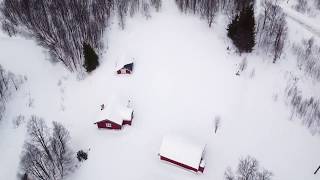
(183, 78)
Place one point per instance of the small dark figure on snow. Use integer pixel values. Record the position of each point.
(129, 104)
(102, 106)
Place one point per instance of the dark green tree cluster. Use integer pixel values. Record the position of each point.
(241, 30)
(90, 58)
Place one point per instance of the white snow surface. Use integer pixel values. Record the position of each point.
(182, 149)
(184, 78)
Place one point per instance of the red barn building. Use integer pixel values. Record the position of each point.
(183, 153)
(114, 117)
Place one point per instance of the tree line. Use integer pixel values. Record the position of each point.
(64, 26)
(60, 26)
(207, 9)
(271, 29)
(266, 33)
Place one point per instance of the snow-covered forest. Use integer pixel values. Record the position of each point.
(90, 89)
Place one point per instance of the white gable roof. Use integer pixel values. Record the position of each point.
(123, 60)
(182, 150)
(126, 113)
(115, 113)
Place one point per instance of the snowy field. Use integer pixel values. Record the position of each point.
(183, 77)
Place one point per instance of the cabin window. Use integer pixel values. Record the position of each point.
(109, 125)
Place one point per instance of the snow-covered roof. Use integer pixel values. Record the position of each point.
(115, 113)
(124, 60)
(182, 150)
(126, 113)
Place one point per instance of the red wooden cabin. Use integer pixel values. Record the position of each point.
(183, 153)
(126, 69)
(114, 117)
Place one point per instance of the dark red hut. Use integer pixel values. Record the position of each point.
(125, 65)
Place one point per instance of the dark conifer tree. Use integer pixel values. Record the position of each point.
(242, 30)
(90, 58)
(232, 29)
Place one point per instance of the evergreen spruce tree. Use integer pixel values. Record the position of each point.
(242, 30)
(90, 58)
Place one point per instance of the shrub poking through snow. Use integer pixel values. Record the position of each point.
(90, 58)
(17, 121)
(242, 66)
(82, 156)
(248, 169)
(241, 30)
(47, 156)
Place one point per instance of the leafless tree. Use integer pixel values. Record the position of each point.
(156, 4)
(205, 8)
(248, 169)
(217, 122)
(122, 9)
(308, 56)
(59, 26)
(271, 29)
(125, 7)
(317, 3)
(60, 149)
(47, 156)
(242, 66)
(9, 83)
(264, 175)
(228, 174)
(301, 5)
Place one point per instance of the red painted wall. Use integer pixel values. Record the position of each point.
(201, 169)
(129, 122)
(178, 163)
(103, 124)
(126, 122)
(123, 71)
